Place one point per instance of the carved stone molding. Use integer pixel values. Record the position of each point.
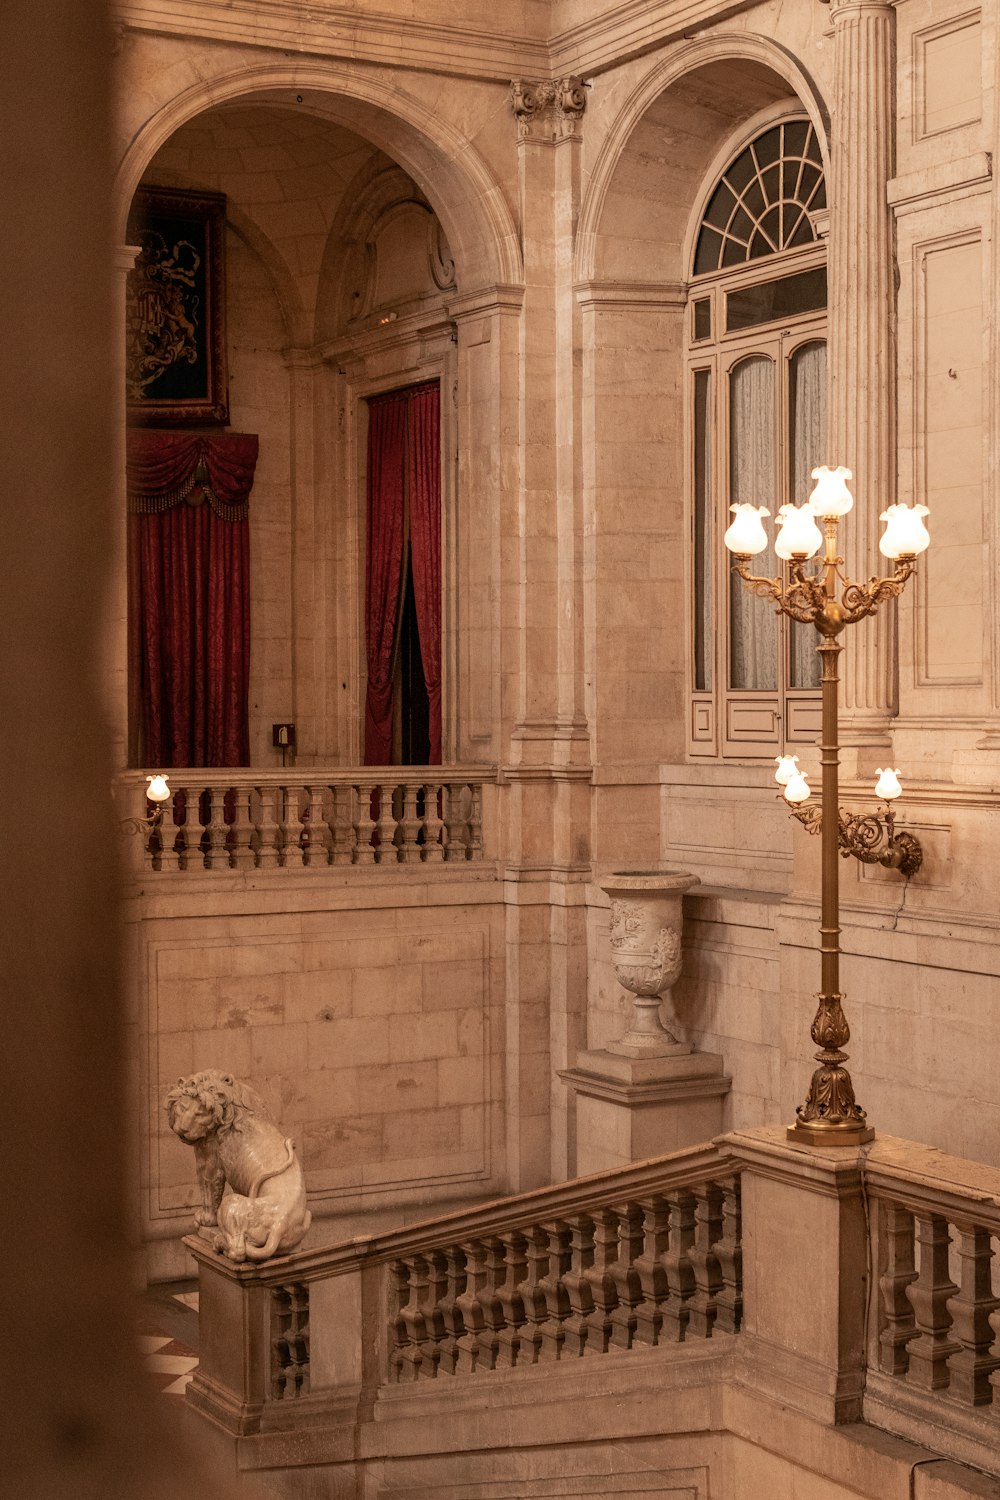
(549, 108)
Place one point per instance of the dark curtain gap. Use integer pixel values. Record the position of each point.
(403, 578)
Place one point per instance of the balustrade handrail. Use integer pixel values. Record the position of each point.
(661, 1174)
(244, 817)
(329, 775)
(923, 1177)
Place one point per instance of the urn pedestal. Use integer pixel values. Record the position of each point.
(646, 1093)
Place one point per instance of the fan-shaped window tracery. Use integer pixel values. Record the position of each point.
(762, 202)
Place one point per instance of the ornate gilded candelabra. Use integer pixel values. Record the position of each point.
(830, 1114)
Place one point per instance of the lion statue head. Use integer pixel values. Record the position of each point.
(211, 1102)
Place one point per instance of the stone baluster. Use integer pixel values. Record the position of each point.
(929, 1296)
(652, 1272)
(409, 825)
(470, 1305)
(601, 1278)
(242, 830)
(492, 1305)
(554, 1291)
(315, 850)
(433, 824)
(217, 856)
(536, 1312)
(475, 850)
(628, 1287)
(705, 1269)
(454, 824)
(290, 1341)
(729, 1300)
(971, 1368)
(290, 853)
(364, 827)
(386, 826)
(399, 1336)
(896, 1245)
(168, 857)
(677, 1264)
(512, 1299)
(188, 858)
(577, 1283)
(418, 1349)
(268, 830)
(342, 829)
(449, 1268)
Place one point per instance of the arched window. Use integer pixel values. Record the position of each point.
(757, 405)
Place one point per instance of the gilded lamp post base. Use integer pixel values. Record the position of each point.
(831, 1116)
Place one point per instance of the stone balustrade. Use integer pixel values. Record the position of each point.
(857, 1285)
(934, 1346)
(244, 819)
(622, 1260)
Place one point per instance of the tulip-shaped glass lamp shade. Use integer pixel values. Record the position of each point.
(887, 786)
(798, 534)
(746, 536)
(158, 790)
(905, 533)
(797, 789)
(788, 766)
(831, 497)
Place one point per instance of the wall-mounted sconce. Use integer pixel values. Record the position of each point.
(159, 794)
(868, 837)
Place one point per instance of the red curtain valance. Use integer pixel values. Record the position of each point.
(164, 468)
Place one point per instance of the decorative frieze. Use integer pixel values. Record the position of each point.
(549, 109)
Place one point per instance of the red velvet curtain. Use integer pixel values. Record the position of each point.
(404, 454)
(425, 546)
(189, 602)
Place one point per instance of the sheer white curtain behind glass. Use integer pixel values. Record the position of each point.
(807, 413)
(753, 631)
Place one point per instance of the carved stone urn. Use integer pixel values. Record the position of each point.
(646, 952)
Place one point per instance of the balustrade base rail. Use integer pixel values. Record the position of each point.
(246, 819)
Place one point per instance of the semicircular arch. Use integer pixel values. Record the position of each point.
(762, 73)
(466, 195)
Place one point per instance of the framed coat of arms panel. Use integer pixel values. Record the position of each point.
(175, 335)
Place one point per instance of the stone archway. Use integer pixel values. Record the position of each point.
(470, 202)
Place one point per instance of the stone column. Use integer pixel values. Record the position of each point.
(547, 845)
(862, 398)
(312, 680)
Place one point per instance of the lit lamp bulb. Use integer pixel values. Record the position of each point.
(746, 535)
(905, 533)
(887, 787)
(158, 790)
(831, 497)
(797, 789)
(788, 766)
(799, 536)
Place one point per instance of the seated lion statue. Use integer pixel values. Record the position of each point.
(237, 1146)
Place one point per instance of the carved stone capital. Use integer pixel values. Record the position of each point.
(549, 108)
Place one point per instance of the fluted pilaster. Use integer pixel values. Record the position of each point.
(862, 407)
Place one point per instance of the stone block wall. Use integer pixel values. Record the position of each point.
(370, 1021)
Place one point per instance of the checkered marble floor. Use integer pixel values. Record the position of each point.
(166, 1360)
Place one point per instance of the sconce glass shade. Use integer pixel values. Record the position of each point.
(905, 533)
(831, 497)
(887, 786)
(797, 788)
(158, 790)
(788, 766)
(798, 534)
(746, 535)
